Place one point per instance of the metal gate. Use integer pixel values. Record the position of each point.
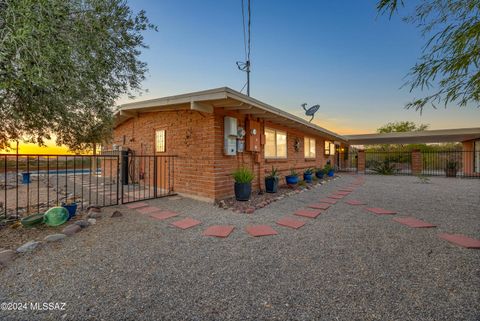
(145, 177)
(346, 161)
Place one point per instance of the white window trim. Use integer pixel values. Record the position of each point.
(276, 147)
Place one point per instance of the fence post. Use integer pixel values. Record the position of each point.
(417, 162)
(361, 162)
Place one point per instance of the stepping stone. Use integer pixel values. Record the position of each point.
(328, 200)
(346, 190)
(337, 197)
(355, 202)
(163, 215)
(461, 240)
(218, 230)
(148, 209)
(186, 223)
(342, 193)
(136, 205)
(260, 230)
(290, 222)
(413, 222)
(308, 213)
(380, 211)
(320, 206)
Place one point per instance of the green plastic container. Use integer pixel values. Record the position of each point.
(32, 220)
(56, 216)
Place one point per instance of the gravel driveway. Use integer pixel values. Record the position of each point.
(348, 264)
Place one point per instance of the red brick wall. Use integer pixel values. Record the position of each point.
(201, 168)
(188, 136)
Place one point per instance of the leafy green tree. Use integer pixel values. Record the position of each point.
(63, 63)
(402, 126)
(449, 65)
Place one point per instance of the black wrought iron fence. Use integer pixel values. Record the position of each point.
(388, 163)
(33, 183)
(455, 163)
(347, 161)
(146, 177)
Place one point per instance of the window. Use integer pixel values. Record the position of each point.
(160, 141)
(309, 147)
(329, 148)
(275, 143)
(476, 156)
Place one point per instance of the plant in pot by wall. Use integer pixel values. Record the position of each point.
(451, 169)
(308, 175)
(243, 183)
(271, 181)
(292, 178)
(319, 172)
(328, 169)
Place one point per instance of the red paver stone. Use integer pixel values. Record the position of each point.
(136, 205)
(308, 213)
(380, 211)
(163, 215)
(413, 222)
(461, 240)
(260, 230)
(218, 230)
(346, 190)
(355, 202)
(337, 197)
(342, 193)
(148, 209)
(320, 206)
(328, 200)
(186, 223)
(290, 222)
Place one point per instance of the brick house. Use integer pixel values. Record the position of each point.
(197, 128)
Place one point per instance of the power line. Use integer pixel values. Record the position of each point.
(245, 65)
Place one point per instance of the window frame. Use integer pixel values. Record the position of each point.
(164, 140)
(305, 149)
(276, 143)
(330, 151)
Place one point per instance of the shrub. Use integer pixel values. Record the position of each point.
(273, 173)
(384, 168)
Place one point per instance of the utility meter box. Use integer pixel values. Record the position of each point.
(230, 136)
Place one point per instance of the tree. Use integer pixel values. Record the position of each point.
(449, 65)
(402, 126)
(63, 63)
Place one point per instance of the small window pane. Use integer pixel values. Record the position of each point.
(327, 148)
(160, 141)
(312, 148)
(281, 144)
(332, 149)
(270, 143)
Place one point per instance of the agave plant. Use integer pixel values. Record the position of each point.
(384, 168)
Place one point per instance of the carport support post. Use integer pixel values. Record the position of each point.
(361, 162)
(417, 162)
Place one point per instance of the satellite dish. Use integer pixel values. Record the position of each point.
(311, 110)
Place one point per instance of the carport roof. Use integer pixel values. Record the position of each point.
(426, 136)
(227, 98)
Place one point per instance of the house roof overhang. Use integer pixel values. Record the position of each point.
(427, 136)
(206, 101)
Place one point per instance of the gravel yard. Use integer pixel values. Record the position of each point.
(347, 264)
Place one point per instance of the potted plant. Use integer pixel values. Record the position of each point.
(243, 183)
(71, 207)
(292, 179)
(271, 181)
(308, 175)
(319, 172)
(451, 169)
(328, 169)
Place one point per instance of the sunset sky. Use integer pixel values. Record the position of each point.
(339, 54)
